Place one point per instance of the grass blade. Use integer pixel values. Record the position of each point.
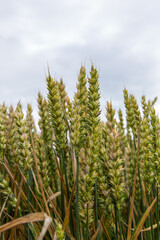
(142, 220)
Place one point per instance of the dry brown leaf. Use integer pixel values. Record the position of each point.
(46, 224)
(105, 229)
(66, 220)
(32, 217)
(96, 232)
(53, 196)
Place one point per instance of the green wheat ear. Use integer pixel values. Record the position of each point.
(93, 119)
(9, 152)
(42, 162)
(82, 96)
(63, 97)
(79, 112)
(121, 131)
(46, 140)
(7, 192)
(147, 106)
(32, 127)
(129, 116)
(114, 161)
(89, 157)
(57, 115)
(104, 188)
(60, 235)
(22, 136)
(133, 117)
(146, 156)
(42, 141)
(3, 133)
(30, 119)
(136, 117)
(93, 100)
(155, 133)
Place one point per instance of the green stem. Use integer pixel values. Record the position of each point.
(96, 209)
(87, 224)
(65, 172)
(157, 214)
(77, 200)
(62, 192)
(29, 199)
(154, 192)
(116, 232)
(62, 203)
(140, 184)
(151, 217)
(120, 224)
(1, 204)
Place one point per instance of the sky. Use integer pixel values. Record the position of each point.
(120, 37)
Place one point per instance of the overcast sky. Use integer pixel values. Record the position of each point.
(121, 37)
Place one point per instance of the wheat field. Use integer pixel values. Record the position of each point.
(78, 177)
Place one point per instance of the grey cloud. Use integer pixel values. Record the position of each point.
(120, 37)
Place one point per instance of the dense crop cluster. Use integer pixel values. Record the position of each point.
(85, 178)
